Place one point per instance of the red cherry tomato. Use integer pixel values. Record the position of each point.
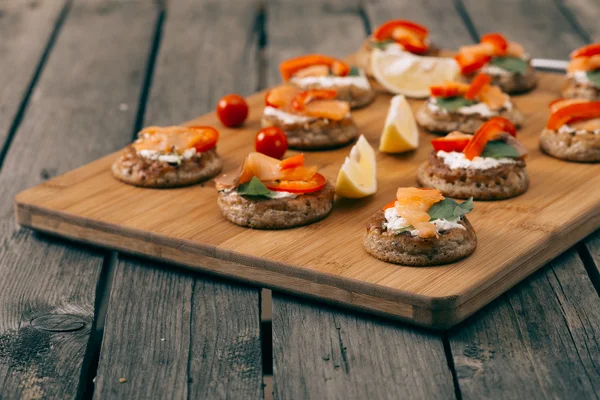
(271, 141)
(232, 110)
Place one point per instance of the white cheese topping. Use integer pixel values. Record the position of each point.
(286, 117)
(171, 158)
(569, 129)
(333, 81)
(478, 108)
(394, 222)
(276, 195)
(455, 160)
(495, 70)
(580, 77)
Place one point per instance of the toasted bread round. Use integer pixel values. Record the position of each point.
(444, 122)
(571, 147)
(502, 182)
(319, 133)
(511, 82)
(363, 56)
(135, 170)
(405, 249)
(573, 90)
(355, 96)
(263, 213)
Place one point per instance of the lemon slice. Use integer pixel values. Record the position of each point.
(400, 132)
(411, 75)
(358, 176)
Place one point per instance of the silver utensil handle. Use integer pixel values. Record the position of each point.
(547, 63)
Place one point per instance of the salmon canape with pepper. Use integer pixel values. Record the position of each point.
(489, 165)
(506, 62)
(397, 37)
(316, 71)
(312, 119)
(573, 130)
(267, 193)
(457, 106)
(171, 156)
(421, 227)
(583, 74)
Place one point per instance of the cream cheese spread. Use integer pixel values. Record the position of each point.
(456, 160)
(286, 117)
(394, 222)
(569, 129)
(171, 158)
(333, 81)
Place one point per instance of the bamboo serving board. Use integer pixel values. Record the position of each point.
(326, 260)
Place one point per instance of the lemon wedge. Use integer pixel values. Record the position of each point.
(358, 176)
(405, 73)
(400, 132)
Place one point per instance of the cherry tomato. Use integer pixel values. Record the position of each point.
(271, 141)
(232, 110)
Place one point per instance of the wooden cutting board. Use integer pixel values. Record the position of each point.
(326, 260)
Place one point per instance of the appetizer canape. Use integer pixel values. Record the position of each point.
(171, 156)
(421, 228)
(583, 74)
(316, 71)
(506, 62)
(489, 165)
(312, 119)
(266, 193)
(395, 36)
(573, 130)
(456, 106)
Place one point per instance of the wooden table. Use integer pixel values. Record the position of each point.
(79, 78)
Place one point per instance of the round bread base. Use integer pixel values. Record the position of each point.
(512, 83)
(405, 249)
(188, 173)
(263, 213)
(579, 148)
(356, 96)
(317, 134)
(504, 187)
(447, 122)
(575, 90)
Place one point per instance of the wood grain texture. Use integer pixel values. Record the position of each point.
(537, 226)
(208, 49)
(446, 27)
(324, 353)
(585, 14)
(538, 341)
(171, 334)
(538, 25)
(195, 338)
(25, 29)
(47, 283)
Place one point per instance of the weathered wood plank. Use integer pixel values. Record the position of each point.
(445, 25)
(537, 24)
(45, 282)
(584, 16)
(25, 29)
(295, 28)
(539, 341)
(320, 352)
(172, 334)
(211, 329)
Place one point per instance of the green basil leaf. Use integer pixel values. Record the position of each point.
(499, 149)
(511, 64)
(463, 208)
(449, 209)
(254, 188)
(382, 44)
(454, 103)
(594, 77)
(354, 71)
